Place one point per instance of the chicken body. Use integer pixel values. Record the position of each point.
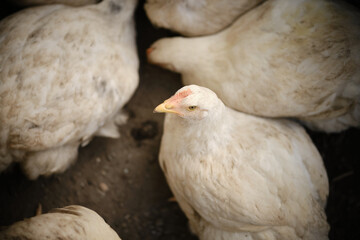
(237, 176)
(65, 74)
(282, 59)
(196, 17)
(44, 2)
(71, 222)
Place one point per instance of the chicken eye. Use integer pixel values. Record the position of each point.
(191, 108)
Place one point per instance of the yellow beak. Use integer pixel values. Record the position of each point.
(165, 108)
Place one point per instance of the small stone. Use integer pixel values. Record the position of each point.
(126, 171)
(98, 160)
(104, 187)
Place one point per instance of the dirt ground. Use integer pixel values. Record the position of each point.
(121, 180)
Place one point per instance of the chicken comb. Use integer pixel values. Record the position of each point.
(182, 94)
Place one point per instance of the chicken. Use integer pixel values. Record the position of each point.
(284, 58)
(71, 222)
(42, 2)
(65, 73)
(196, 17)
(238, 176)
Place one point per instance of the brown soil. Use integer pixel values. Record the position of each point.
(122, 181)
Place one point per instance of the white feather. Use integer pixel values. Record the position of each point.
(196, 17)
(282, 59)
(71, 222)
(238, 176)
(43, 2)
(65, 73)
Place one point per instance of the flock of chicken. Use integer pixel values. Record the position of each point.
(230, 160)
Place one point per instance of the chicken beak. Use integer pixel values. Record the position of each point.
(165, 108)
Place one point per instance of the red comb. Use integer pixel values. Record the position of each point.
(182, 94)
(179, 96)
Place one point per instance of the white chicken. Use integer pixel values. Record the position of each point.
(71, 222)
(238, 176)
(282, 59)
(43, 2)
(65, 73)
(196, 17)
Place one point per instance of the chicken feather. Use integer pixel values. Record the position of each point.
(281, 59)
(234, 174)
(71, 222)
(196, 17)
(65, 73)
